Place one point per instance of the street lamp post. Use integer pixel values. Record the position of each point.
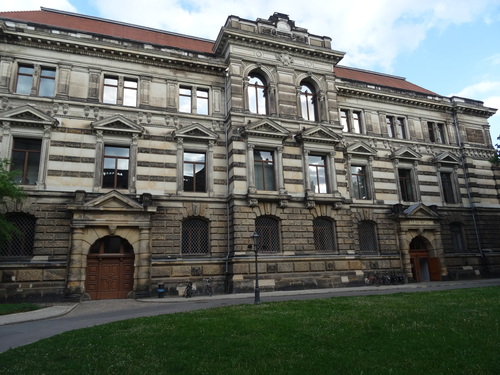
(255, 238)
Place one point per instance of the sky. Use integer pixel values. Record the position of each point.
(450, 47)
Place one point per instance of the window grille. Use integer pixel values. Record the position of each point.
(324, 234)
(368, 237)
(195, 237)
(21, 243)
(457, 238)
(269, 237)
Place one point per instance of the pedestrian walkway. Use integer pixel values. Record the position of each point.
(64, 308)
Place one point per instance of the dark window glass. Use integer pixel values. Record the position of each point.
(308, 102)
(26, 160)
(440, 133)
(430, 128)
(257, 94)
(358, 181)
(194, 172)
(390, 126)
(264, 170)
(447, 186)
(195, 236)
(368, 237)
(22, 242)
(405, 184)
(457, 237)
(324, 234)
(317, 174)
(116, 167)
(269, 237)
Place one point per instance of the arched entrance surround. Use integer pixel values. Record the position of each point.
(423, 266)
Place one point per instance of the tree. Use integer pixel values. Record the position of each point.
(496, 158)
(8, 190)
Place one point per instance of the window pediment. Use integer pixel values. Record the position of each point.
(406, 153)
(117, 125)
(417, 211)
(265, 129)
(446, 158)
(28, 116)
(113, 200)
(318, 134)
(195, 132)
(361, 148)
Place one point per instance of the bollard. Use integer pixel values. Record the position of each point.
(161, 290)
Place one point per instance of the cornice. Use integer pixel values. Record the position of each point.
(113, 49)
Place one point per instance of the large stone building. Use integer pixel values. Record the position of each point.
(150, 157)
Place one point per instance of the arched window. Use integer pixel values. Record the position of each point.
(195, 239)
(269, 235)
(308, 102)
(111, 245)
(368, 242)
(257, 101)
(22, 241)
(324, 234)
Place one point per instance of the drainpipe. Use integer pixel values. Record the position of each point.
(467, 184)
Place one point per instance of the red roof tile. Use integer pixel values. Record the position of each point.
(378, 79)
(115, 29)
(110, 28)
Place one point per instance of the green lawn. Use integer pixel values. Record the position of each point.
(451, 332)
(13, 308)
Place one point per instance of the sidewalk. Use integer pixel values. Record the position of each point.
(63, 309)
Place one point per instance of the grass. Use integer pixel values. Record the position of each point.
(450, 332)
(13, 308)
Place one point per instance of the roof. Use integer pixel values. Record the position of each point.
(71, 21)
(378, 79)
(94, 25)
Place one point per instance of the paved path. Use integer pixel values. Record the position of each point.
(24, 328)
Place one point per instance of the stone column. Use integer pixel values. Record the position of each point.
(98, 160)
(5, 73)
(133, 165)
(250, 169)
(209, 169)
(332, 175)
(405, 254)
(307, 177)
(180, 170)
(76, 261)
(44, 157)
(6, 140)
(279, 169)
(143, 261)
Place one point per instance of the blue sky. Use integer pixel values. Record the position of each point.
(451, 47)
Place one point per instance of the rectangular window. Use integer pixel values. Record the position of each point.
(356, 122)
(317, 174)
(194, 172)
(116, 167)
(185, 100)
(47, 82)
(110, 92)
(405, 184)
(24, 79)
(130, 92)
(26, 160)
(389, 120)
(264, 170)
(358, 181)
(447, 187)
(202, 102)
(430, 128)
(400, 128)
(440, 133)
(344, 115)
(45, 86)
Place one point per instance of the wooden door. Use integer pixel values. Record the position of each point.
(435, 269)
(109, 277)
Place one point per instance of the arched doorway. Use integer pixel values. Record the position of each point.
(110, 268)
(423, 267)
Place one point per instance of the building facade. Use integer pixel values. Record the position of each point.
(150, 157)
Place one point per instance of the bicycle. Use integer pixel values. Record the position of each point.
(188, 292)
(208, 284)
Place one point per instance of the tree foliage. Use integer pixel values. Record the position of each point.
(8, 190)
